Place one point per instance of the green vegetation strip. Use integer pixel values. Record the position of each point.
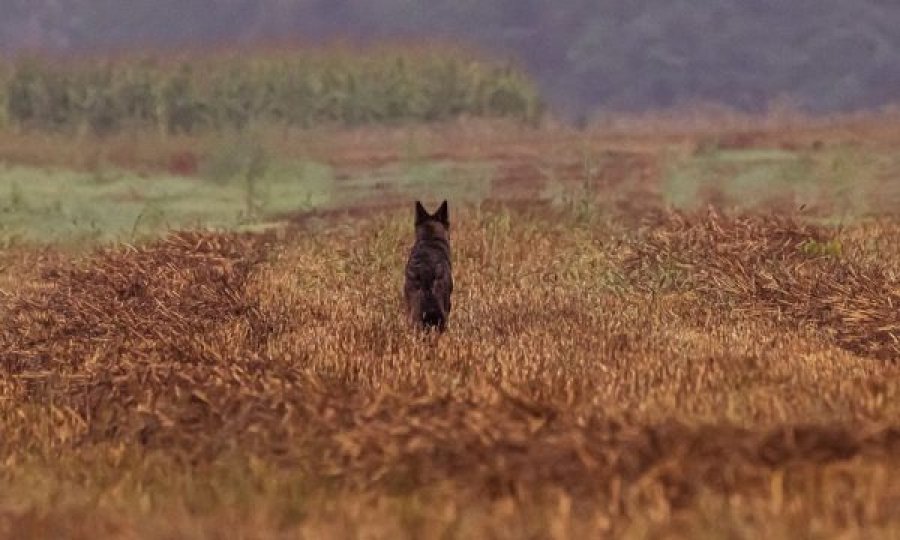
(304, 88)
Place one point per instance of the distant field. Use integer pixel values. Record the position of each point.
(654, 335)
(62, 190)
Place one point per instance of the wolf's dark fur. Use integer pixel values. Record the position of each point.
(429, 280)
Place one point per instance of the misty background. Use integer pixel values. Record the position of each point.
(819, 55)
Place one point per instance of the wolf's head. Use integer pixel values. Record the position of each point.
(432, 226)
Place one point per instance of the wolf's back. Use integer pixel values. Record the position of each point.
(428, 286)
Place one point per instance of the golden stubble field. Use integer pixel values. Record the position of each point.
(640, 373)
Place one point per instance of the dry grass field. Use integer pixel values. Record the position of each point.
(614, 367)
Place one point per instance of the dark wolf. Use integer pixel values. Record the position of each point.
(429, 282)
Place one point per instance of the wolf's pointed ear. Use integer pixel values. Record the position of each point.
(442, 215)
(421, 214)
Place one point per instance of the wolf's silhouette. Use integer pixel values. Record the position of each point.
(429, 282)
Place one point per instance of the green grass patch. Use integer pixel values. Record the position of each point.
(63, 206)
(841, 178)
(239, 188)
